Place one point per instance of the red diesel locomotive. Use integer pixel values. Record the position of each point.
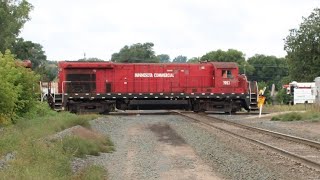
(103, 86)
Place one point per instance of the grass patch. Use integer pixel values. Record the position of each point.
(38, 159)
(298, 116)
(294, 116)
(91, 172)
(79, 146)
(36, 128)
(281, 108)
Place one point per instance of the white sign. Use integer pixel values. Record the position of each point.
(227, 83)
(148, 75)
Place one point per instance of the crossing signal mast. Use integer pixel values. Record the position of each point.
(261, 100)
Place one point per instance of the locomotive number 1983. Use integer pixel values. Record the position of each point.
(227, 83)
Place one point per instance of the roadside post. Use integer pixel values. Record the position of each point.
(260, 103)
(261, 100)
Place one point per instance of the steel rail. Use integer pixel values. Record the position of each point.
(131, 113)
(296, 139)
(283, 152)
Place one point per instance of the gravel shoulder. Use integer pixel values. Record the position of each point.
(148, 148)
(170, 147)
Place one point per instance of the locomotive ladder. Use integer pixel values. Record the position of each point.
(253, 90)
(57, 99)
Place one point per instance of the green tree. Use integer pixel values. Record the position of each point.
(282, 97)
(163, 58)
(48, 71)
(92, 59)
(231, 55)
(245, 68)
(31, 51)
(13, 15)
(193, 60)
(269, 69)
(52, 70)
(136, 53)
(286, 79)
(17, 91)
(303, 49)
(180, 59)
(35, 53)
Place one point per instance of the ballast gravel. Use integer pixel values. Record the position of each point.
(171, 147)
(305, 129)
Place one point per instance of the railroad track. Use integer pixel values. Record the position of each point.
(299, 149)
(141, 112)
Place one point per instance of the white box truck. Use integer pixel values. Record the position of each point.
(302, 92)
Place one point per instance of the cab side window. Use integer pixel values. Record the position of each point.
(226, 74)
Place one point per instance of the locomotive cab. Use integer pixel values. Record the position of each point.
(226, 76)
(228, 92)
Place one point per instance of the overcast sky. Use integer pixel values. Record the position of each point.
(68, 28)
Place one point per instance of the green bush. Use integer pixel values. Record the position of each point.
(40, 109)
(17, 91)
(282, 97)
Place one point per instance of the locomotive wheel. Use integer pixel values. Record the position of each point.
(195, 107)
(105, 112)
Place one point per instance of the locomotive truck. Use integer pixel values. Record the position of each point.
(106, 86)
